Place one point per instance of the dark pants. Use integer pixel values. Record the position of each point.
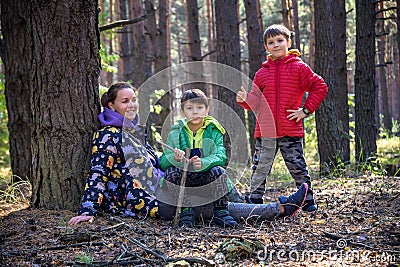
(200, 187)
(265, 151)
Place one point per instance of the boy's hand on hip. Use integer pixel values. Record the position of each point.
(196, 161)
(241, 96)
(178, 154)
(296, 114)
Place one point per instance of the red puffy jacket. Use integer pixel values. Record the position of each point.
(279, 86)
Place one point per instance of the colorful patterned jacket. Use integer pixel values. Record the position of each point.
(124, 173)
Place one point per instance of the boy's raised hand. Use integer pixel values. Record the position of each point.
(241, 96)
(178, 154)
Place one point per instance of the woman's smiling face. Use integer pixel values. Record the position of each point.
(125, 103)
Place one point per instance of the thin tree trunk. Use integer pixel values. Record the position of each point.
(228, 53)
(312, 35)
(257, 55)
(387, 120)
(125, 54)
(65, 102)
(193, 34)
(110, 75)
(296, 24)
(340, 80)
(194, 44)
(285, 14)
(364, 81)
(17, 62)
(164, 57)
(326, 119)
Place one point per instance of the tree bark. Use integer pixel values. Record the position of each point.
(364, 81)
(326, 119)
(193, 34)
(285, 14)
(164, 59)
(257, 55)
(17, 60)
(228, 53)
(64, 98)
(340, 77)
(387, 118)
(296, 24)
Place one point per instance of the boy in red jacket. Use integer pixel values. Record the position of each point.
(275, 98)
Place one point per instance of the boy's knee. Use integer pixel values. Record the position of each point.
(217, 171)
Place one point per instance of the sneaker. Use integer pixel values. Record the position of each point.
(294, 202)
(309, 205)
(224, 219)
(187, 218)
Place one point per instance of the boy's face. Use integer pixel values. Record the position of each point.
(277, 46)
(194, 112)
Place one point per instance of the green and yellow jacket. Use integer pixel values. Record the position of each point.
(208, 138)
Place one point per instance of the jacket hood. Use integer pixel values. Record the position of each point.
(293, 55)
(111, 118)
(207, 121)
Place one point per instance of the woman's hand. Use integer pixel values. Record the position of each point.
(80, 218)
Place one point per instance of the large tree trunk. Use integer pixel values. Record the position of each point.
(340, 77)
(364, 81)
(326, 118)
(17, 60)
(65, 101)
(228, 53)
(257, 54)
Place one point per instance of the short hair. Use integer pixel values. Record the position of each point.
(112, 92)
(276, 29)
(194, 95)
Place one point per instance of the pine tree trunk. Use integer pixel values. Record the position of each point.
(364, 81)
(340, 77)
(164, 59)
(285, 14)
(257, 55)
(387, 119)
(65, 100)
(17, 58)
(326, 119)
(193, 34)
(296, 24)
(125, 56)
(228, 53)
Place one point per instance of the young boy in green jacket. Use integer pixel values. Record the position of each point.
(203, 135)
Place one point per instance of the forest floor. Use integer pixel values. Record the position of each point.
(357, 224)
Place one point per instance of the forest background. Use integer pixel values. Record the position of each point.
(58, 58)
